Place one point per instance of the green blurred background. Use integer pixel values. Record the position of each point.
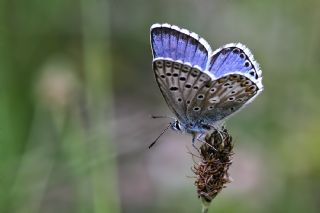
(77, 88)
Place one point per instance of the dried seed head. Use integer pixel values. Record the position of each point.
(212, 170)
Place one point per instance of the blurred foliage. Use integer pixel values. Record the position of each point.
(76, 88)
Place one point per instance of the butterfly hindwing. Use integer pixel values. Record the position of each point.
(235, 58)
(196, 96)
(222, 97)
(171, 42)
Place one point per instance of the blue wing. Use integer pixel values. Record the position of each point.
(234, 58)
(171, 42)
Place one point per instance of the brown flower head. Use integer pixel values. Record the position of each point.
(212, 170)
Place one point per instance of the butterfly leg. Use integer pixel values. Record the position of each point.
(194, 135)
(219, 130)
(199, 138)
(221, 134)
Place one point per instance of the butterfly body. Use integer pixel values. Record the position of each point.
(202, 88)
(191, 127)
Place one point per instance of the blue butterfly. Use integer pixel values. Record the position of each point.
(202, 87)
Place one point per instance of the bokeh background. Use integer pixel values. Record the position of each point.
(77, 89)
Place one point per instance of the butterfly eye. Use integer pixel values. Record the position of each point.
(179, 99)
(210, 107)
(175, 74)
(162, 76)
(242, 55)
(182, 78)
(188, 86)
(231, 98)
(195, 87)
(177, 126)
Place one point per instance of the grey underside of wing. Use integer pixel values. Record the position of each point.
(218, 99)
(193, 96)
(172, 78)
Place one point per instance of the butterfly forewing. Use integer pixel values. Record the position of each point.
(171, 42)
(167, 74)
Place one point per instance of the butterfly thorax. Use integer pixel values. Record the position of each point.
(191, 127)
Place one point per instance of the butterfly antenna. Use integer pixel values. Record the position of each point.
(160, 135)
(161, 116)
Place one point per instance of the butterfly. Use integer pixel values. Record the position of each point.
(202, 87)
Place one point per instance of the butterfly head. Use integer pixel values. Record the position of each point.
(177, 126)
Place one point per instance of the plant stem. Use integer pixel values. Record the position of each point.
(204, 209)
